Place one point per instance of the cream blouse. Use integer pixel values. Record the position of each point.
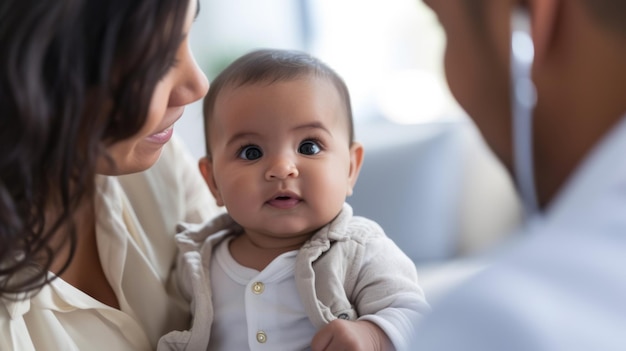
(136, 223)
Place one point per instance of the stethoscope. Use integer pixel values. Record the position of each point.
(523, 101)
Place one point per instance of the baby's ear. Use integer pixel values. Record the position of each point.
(356, 160)
(206, 168)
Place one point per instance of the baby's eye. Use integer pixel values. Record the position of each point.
(251, 152)
(309, 147)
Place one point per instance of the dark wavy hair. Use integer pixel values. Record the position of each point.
(76, 76)
(271, 66)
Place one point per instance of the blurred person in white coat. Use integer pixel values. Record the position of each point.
(555, 117)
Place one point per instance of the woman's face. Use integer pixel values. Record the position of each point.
(183, 84)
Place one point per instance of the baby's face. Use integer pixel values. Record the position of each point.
(282, 162)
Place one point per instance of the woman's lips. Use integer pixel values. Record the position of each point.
(163, 136)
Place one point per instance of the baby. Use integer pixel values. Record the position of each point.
(289, 267)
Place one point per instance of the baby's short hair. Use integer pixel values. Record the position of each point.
(271, 66)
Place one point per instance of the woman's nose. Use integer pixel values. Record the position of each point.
(281, 168)
(191, 83)
(196, 83)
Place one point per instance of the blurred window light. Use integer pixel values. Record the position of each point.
(411, 96)
(374, 45)
(389, 53)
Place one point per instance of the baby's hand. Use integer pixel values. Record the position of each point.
(351, 336)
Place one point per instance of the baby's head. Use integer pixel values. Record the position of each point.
(280, 150)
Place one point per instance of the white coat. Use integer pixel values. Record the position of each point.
(562, 285)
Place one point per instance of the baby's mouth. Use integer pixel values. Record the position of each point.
(284, 201)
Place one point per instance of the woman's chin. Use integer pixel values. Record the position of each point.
(139, 159)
